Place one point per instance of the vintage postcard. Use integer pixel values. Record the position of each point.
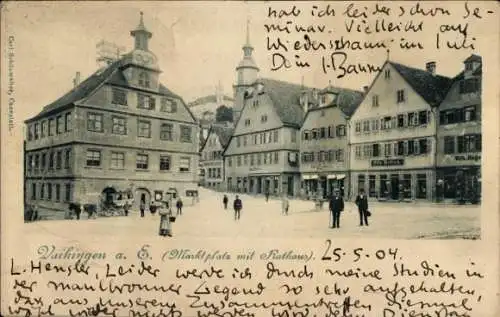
(250, 159)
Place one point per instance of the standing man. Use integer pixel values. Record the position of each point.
(362, 203)
(142, 206)
(179, 205)
(237, 205)
(267, 194)
(284, 205)
(225, 200)
(336, 207)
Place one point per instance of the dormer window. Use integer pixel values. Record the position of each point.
(144, 80)
(468, 66)
(247, 122)
(263, 119)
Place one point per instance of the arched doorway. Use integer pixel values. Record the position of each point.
(142, 195)
(108, 194)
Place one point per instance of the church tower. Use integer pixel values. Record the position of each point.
(247, 72)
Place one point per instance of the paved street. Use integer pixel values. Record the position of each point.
(263, 219)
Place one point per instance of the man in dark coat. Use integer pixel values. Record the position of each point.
(237, 206)
(336, 207)
(225, 200)
(362, 203)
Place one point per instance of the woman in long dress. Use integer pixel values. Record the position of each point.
(165, 226)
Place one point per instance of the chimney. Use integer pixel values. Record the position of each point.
(365, 89)
(76, 80)
(431, 67)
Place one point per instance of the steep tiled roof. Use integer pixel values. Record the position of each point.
(223, 133)
(207, 99)
(433, 88)
(286, 100)
(347, 99)
(110, 75)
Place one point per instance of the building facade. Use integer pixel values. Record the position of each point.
(211, 159)
(324, 145)
(263, 152)
(393, 134)
(459, 135)
(120, 129)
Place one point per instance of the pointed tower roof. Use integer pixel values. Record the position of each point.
(141, 29)
(247, 61)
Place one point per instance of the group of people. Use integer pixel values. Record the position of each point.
(142, 207)
(337, 206)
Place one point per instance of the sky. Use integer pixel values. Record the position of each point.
(54, 41)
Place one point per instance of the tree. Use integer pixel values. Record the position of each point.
(224, 114)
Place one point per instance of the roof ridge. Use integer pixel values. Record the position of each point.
(418, 69)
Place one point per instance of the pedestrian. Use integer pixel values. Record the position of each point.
(78, 211)
(237, 206)
(165, 225)
(142, 207)
(336, 207)
(125, 209)
(179, 206)
(225, 200)
(285, 204)
(267, 195)
(362, 203)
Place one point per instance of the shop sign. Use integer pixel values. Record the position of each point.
(388, 162)
(470, 157)
(253, 169)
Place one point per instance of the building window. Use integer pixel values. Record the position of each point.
(67, 157)
(238, 141)
(184, 164)
(93, 158)
(60, 124)
(51, 160)
(168, 105)
(33, 191)
(37, 131)
(49, 191)
(42, 191)
(218, 173)
(263, 119)
(358, 127)
(470, 113)
(357, 151)
(43, 161)
(341, 131)
(166, 131)
(119, 97)
(401, 148)
(143, 129)
(322, 133)
(58, 160)
(144, 80)
(117, 160)
(68, 124)
(387, 149)
(165, 162)
(52, 127)
(366, 126)
(245, 160)
(331, 131)
(185, 134)
(58, 192)
(339, 155)
(146, 102)
(142, 161)
(67, 192)
(423, 117)
(276, 157)
(422, 143)
(361, 182)
(119, 125)
(411, 147)
(401, 96)
(471, 143)
(305, 135)
(44, 128)
(449, 145)
(421, 186)
(387, 74)
(247, 122)
(376, 150)
(94, 122)
(238, 160)
(36, 161)
(375, 101)
(315, 134)
(371, 186)
(259, 159)
(275, 136)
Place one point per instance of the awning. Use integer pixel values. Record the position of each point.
(340, 176)
(306, 177)
(331, 176)
(314, 177)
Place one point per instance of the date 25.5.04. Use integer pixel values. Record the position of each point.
(356, 254)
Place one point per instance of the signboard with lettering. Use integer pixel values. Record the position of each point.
(469, 157)
(388, 162)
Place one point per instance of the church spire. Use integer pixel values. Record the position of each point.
(141, 35)
(247, 48)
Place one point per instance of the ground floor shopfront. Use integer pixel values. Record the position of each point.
(459, 182)
(395, 184)
(274, 183)
(323, 185)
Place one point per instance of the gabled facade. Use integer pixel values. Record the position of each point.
(324, 145)
(393, 133)
(263, 153)
(120, 129)
(459, 135)
(211, 158)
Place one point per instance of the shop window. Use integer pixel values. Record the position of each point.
(361, 182)
(384, 186)
(407, 186)
(371, 186)
(421, 186)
